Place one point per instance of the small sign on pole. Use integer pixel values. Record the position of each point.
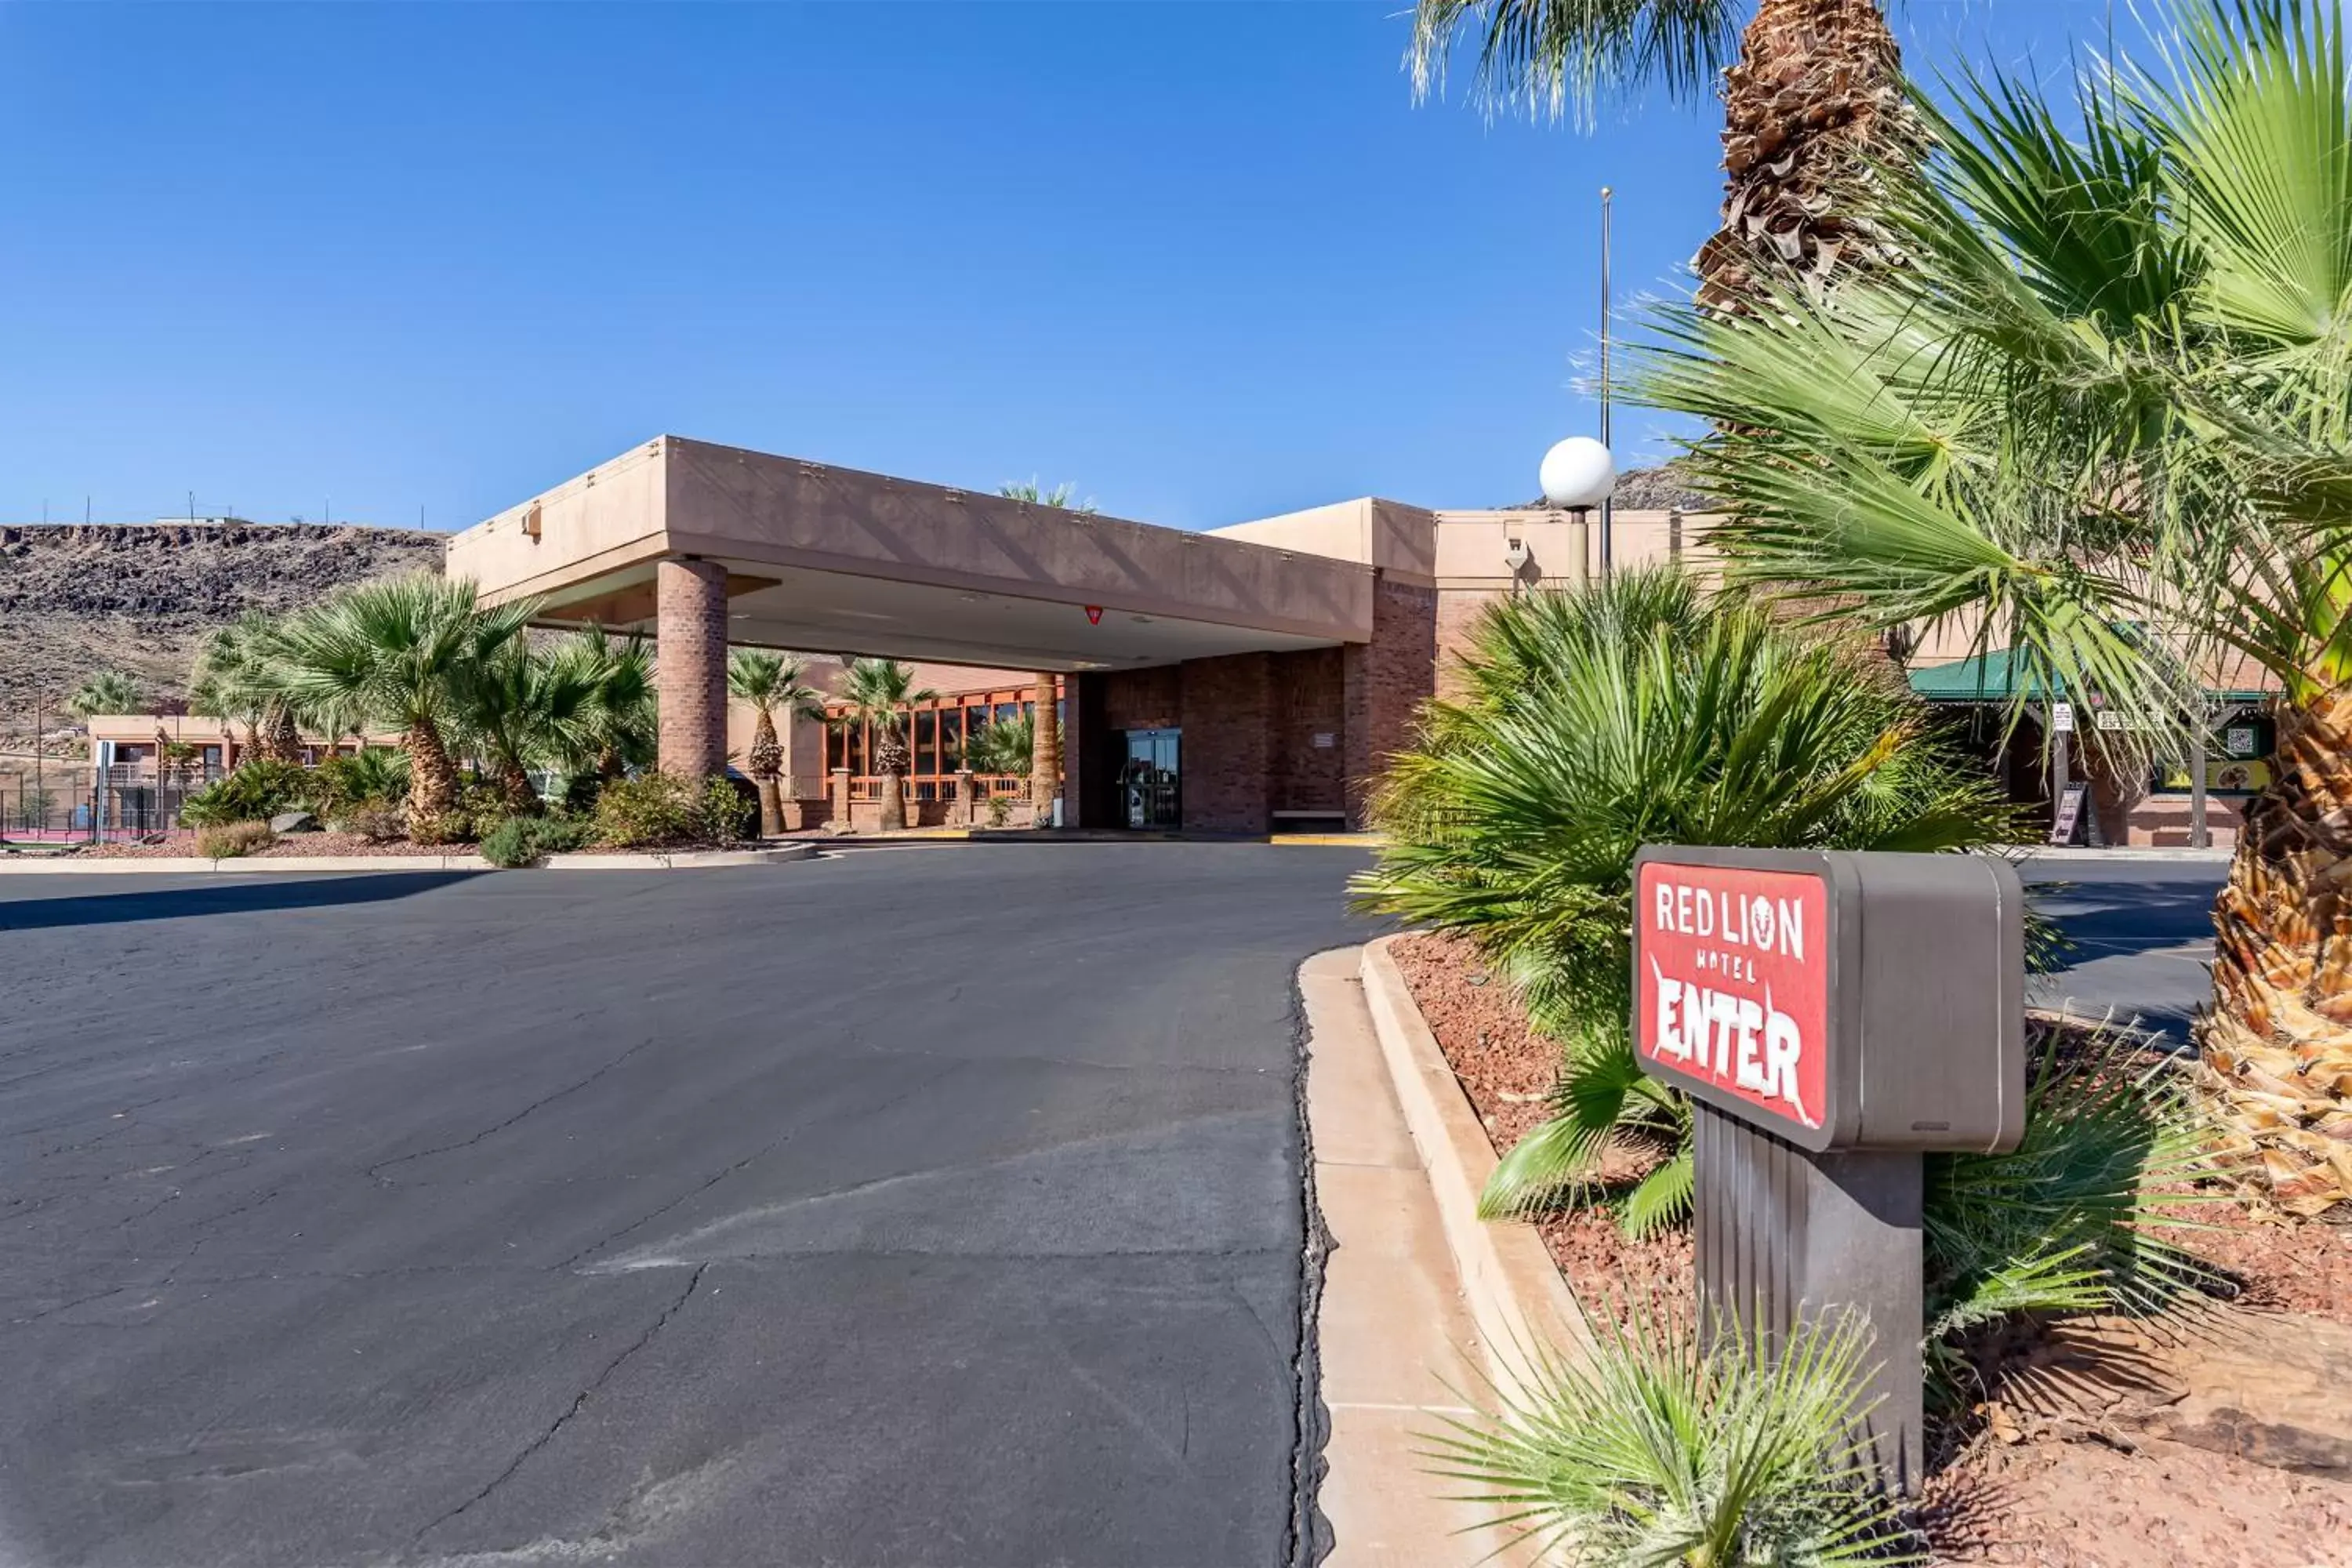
(1833, 1017)
(2062, 718)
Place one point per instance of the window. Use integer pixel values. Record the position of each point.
(951, 738)
(1007, 711)
(927, 743)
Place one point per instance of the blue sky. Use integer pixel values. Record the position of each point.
(1207, 259)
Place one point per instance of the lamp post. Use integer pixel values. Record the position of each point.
(1607, 519)
(1579, 474)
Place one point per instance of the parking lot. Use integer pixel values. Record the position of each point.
(919, 1207)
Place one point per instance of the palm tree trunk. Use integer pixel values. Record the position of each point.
(514, 779)
(890, 762)
(1046, 752)
(285, 742)
(1815, 95)
(2277, 1041)
(432, 778)
(765, 762)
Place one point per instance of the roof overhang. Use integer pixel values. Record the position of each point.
(828, 560)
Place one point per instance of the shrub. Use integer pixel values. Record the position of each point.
(1000, 810)
(376, 823)
(259, 789)
(234, 840)
(452, 826)
(661, 808)
(1655, 1450)
(524, 841)
(2068, 1221)
(727, 812)
(376, 778)
(1639, 710)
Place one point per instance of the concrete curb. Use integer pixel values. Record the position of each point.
(2137, 852)
(181, 865)
(1515, 1291)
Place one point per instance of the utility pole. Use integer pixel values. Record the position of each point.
(1606, 502)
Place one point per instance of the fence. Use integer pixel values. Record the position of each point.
(79, 806)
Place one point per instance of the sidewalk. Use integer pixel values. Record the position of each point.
(1397, 1348)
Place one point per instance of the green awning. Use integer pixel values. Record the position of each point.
(1998, 676)
(1991, 677)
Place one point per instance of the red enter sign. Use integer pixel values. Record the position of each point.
(1733, 984)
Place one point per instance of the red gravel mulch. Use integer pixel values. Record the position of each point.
(1508, 1070)
(182, 845)
(2036, 1500)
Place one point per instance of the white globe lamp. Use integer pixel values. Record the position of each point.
(1578, 473)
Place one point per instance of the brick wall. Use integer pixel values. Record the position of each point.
(1386, 680)
(1143, 699)
(1227, 713)
(1310, 702)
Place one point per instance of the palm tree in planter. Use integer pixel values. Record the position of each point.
(770, 682)
(875, 694)
(2103, 418)
(1812, 103)
(108, 691)
(410, 653)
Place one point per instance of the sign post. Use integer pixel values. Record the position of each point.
(1834, 1017)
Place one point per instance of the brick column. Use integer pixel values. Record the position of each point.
(1087, 782)
(1046, 752)
(1385, 682)
(690, 665)
(840, 800)
(967, 806)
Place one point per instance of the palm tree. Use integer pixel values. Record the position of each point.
(618, 731)
(1595, 721)
(529, 706)
(236, 677)
(1008, 747)
(408, 652)
(874, 695)
(769, 681)
(1812, 95)
(1045, 769)
(108, 691)
(2101, 417)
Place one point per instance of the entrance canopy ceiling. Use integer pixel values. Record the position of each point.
(826, 559)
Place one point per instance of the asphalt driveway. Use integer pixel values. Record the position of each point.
(918, 1206)
(2142, 933)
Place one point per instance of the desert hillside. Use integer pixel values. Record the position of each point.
(78, 598)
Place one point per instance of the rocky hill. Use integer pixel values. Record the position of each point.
(78, 598)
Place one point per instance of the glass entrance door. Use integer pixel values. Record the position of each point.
(1151, 786)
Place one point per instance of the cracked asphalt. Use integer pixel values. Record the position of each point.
(902, 1207)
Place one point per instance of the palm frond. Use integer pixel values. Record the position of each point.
(1555, 57)
(1646, 1448)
